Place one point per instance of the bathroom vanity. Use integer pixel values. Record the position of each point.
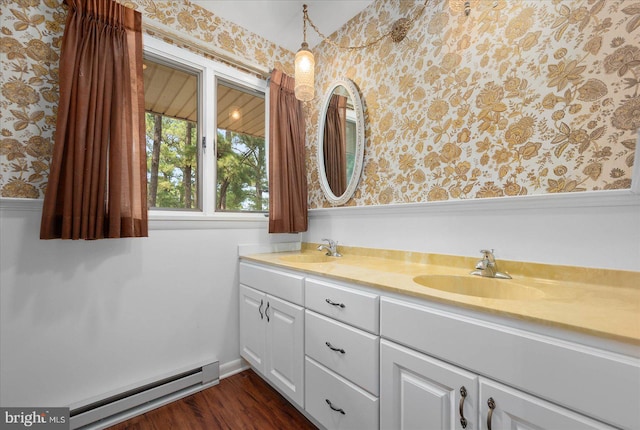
(356, 342)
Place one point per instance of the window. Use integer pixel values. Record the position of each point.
(171, 119)
(241, 157)
(351, 138)
(205, 135)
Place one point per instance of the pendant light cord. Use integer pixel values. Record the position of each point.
(405, 23)
(305, 18)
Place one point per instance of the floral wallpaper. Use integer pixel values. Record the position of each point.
(30, 39)
(520, 97)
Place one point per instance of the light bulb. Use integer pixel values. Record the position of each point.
(304, 74)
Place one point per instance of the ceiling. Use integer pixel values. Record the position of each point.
(280, 21)
(169, 91)
(173, 93)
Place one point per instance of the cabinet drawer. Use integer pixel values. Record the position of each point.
(337, 403)
(285, 285)
(348, 305)
(357, 358)
(594, 382)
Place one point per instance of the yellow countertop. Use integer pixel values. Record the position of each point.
(599, 302)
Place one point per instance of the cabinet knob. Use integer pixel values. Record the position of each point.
(334, 408)
(463, 395)
(492, 405)
(260, 309)
(266, 312)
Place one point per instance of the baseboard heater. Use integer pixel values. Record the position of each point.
(130, 403)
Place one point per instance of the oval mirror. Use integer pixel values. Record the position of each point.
(340, 141)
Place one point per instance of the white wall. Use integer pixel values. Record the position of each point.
(79, 319)
(595, 229)
(83, 318)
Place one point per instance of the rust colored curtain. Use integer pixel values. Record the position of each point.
(97, 182)
(287, 173)
(335, 144)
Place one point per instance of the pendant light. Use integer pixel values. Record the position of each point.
(305, 63)
(304, 66)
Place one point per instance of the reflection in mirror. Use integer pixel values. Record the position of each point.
(335, 143)
(341, 139)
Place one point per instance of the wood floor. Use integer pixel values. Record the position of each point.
(242, 401)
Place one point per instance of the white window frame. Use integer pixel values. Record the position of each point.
(209, 72)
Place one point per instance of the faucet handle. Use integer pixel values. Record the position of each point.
(488, 267)
(332, 248)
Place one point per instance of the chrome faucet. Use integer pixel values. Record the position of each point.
(488, 267)
(331, 247)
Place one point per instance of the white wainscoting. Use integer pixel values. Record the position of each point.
(591, 229)
(82, 318)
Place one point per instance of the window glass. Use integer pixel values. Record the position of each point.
(351, 142)
(205, 136)
(171, 106)
(241, 174)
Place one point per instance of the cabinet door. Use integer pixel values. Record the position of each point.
(420, 392)
(284, 362)
(252, 328)
(515, 410)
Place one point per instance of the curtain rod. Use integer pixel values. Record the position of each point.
(198, 44)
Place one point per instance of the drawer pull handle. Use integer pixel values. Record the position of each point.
(266, 312)
(334, 408)
(334, 303)
(463, 395)
(333, 348)
(260, 309)
(492, 405)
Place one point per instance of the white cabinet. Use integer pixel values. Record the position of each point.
(349, 352)
(355, 359)
(342, 356)
(420, 392)
(272, 338)
(252, 326)
(351, 306)
(549, 383)
(503, 407)
(284, 364)
(336, 402)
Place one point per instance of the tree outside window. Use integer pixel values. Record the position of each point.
(174, 144)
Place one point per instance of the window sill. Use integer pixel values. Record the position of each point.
(165, 220)
(169, 220)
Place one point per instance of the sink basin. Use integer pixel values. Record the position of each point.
(490, 288)
(307, 258)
